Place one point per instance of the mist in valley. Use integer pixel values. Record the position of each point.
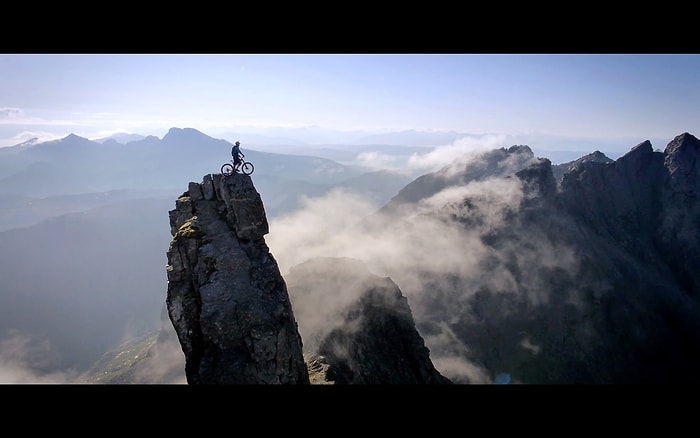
(439, 265)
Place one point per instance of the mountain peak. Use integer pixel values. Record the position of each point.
(121, 138)
(30, 142)
(73, 137)
(684, 140)
(172, 132)
(520, 149)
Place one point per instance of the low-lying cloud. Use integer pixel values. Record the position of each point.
(10, 113)
(432, 247)
(379, 160)
(25, 360)
(463, 148)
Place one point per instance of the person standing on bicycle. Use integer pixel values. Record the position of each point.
(236, 154)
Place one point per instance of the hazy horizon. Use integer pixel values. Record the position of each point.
(620, 100)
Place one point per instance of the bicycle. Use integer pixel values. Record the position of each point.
(244, 167)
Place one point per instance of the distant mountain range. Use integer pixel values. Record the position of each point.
(75, 165)
(121, 138)
(317, 141)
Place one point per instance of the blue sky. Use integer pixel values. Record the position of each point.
(638, 96)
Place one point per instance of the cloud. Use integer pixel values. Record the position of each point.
(318, 228)
(10, 113)
(435, 250)
(404, 248)
(23, 360)
(464, 148)
(40, 136)
(378, 160)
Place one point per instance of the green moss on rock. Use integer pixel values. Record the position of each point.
(189, 230)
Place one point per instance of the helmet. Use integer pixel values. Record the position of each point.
(238, 143)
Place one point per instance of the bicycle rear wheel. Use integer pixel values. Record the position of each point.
(227, 169)
(247, 168)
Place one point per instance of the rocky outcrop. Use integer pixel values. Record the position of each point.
(678, 235)
(647, 203)
(638, 241)
(377, 343)
(560, 169)
(226, 298)
(362, 331)
(619, 200)
(594, 282)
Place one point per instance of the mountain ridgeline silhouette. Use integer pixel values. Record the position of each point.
(499, 267)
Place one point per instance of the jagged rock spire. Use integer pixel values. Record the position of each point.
(226, 298)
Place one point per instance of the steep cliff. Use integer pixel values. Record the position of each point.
(360, 325)
(593, 280)
(226, 298)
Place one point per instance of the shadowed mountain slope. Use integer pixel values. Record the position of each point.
(584, 284)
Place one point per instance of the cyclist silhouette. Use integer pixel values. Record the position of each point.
(236, 154)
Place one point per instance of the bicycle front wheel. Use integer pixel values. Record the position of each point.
(247, 168)
(227, 169)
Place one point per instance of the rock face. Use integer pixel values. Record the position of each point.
(386, 347)
(592, 280)
(560, 169)
(365, 333)
(679, 222)
(647, 203)
(226, 298)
